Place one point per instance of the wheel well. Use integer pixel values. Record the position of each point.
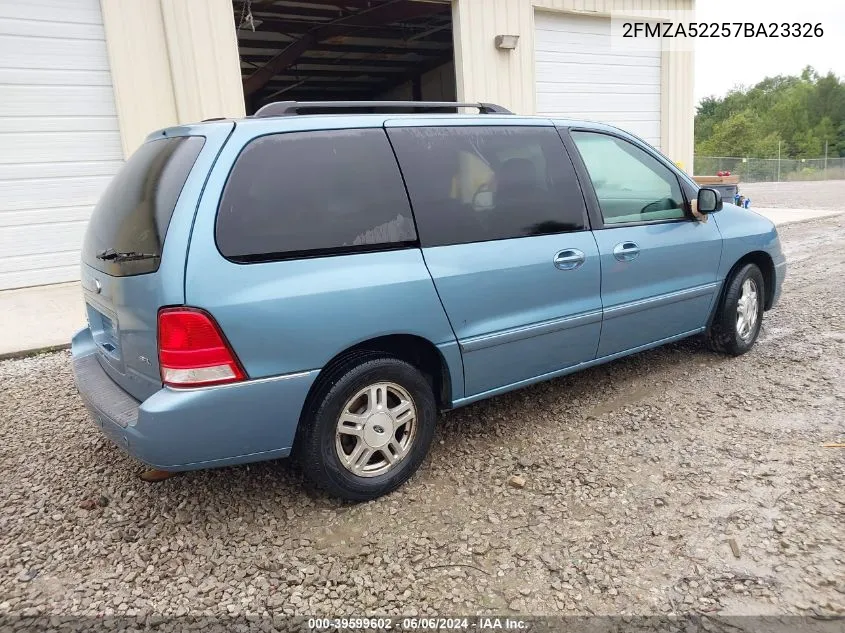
(415, 350)
(767, 267)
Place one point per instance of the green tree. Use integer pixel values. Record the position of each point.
(840, 140)
(799, 114)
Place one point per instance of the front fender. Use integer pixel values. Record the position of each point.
(745, 232)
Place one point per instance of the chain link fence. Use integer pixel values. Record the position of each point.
(772, 169)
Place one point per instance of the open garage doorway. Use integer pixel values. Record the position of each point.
(351, 50)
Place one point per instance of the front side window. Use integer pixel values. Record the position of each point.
(475, 184)
(311, 193)
(630, 184)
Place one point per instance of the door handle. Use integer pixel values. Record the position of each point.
(569, 259)
(626, 251)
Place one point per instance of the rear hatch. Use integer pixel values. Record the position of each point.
(127, 274)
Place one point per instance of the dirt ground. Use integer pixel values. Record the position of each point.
(829, 194)
(674, 481)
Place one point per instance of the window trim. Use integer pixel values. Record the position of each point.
(315, 253)
(593, 206)
(585, 216)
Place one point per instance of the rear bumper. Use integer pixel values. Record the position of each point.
(188, 429)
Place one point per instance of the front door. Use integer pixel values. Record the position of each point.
(503, 227)
(659, 264)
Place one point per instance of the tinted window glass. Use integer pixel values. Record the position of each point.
(133, 214)
(631, 185)
(309, 193)
(473, 184)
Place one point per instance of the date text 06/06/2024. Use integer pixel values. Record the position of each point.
(721, 29)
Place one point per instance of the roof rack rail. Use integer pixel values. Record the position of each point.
(291, 108)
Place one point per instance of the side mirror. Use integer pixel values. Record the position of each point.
(709, 200)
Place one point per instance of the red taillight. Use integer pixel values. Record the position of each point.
(192, 351)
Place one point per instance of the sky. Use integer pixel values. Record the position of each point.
(722, 64)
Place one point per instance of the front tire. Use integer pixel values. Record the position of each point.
(739, 316)
(369, 427)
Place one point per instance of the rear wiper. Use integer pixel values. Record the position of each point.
(112, 255)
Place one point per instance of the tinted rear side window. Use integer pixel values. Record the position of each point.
(314, 193)
(474, 184)
(129, 223)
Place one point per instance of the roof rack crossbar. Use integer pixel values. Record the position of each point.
(291, 108)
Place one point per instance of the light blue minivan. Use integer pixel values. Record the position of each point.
(320, 279)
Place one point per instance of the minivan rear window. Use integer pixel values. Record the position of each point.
(126, 232)
(311, 194)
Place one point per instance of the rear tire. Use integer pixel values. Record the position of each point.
(739, 316)
(368, 427)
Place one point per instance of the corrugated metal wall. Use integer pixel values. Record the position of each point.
(485, 73)
(176, 61)
(172, 61)
(436, 85)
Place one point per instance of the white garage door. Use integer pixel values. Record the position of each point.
(579, 76)
(59, 139)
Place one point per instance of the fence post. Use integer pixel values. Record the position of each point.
(779, 142)
(825, 161)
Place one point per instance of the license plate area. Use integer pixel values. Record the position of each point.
(106, 333)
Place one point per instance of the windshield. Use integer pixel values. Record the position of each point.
(127, 228)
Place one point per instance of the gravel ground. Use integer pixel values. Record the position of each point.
(639, 476)
(829, 194)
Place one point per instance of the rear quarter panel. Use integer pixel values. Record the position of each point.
(174, 255)
(293, 316)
